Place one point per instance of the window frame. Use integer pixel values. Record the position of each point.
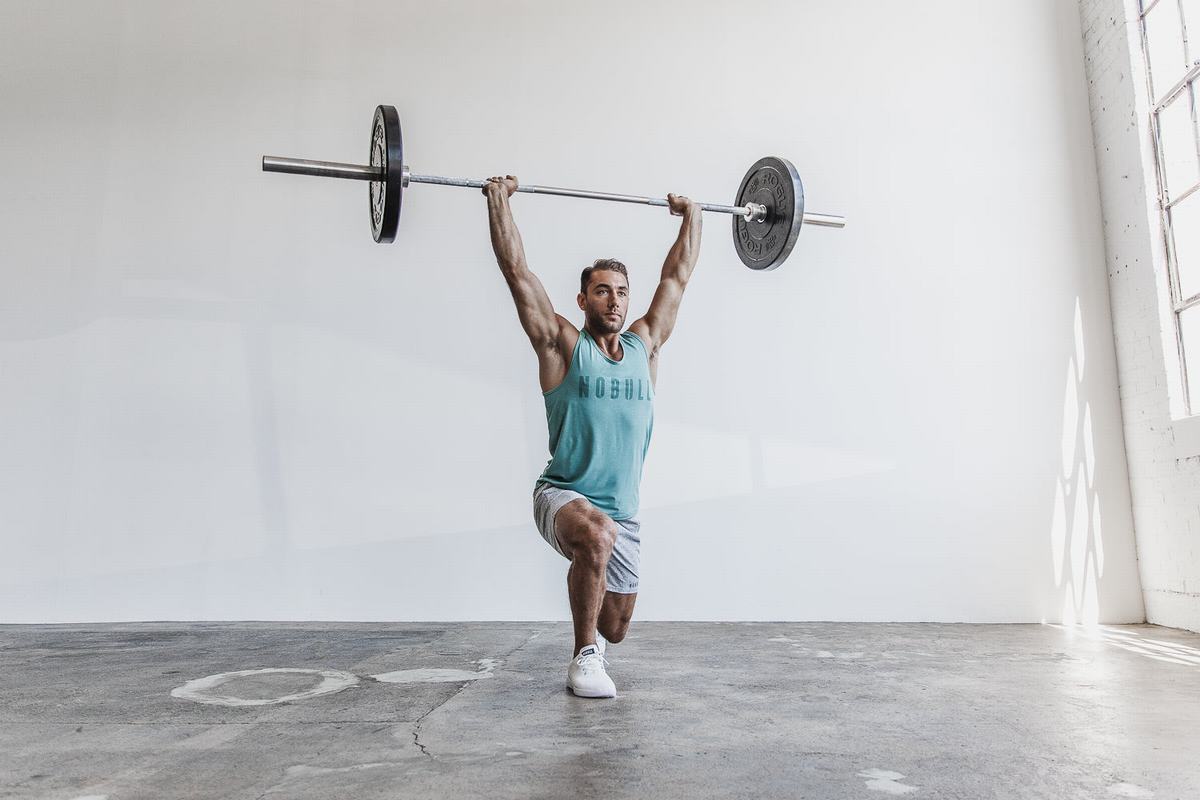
(1187, 429)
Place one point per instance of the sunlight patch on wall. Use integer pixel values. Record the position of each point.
(1076, 549)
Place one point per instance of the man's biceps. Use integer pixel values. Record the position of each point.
(668, 295)
(664, 307)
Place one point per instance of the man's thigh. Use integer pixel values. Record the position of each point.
(575, 522)
(569, 522)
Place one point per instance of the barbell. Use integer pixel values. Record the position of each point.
(768, 210)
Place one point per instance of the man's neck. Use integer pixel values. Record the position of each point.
(610, 343)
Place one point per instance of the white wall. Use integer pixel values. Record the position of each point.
(1164, 467)
(220, 399)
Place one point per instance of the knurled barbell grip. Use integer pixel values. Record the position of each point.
(564, 192)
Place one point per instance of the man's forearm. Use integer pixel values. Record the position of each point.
(506, 239)
(681, 259)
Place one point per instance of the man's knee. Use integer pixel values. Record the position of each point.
(591, 536)
(597, 540)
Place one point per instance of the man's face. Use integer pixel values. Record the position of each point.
(606, 302)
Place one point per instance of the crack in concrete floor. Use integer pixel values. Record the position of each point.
(417, 725)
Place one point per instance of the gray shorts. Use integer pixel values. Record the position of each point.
(626, 558)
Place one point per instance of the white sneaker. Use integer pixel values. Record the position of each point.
(586, 676)
(601, 642)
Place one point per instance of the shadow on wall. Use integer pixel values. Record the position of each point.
(1077, 546)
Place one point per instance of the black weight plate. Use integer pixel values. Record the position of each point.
(386, 151)
(774, 183)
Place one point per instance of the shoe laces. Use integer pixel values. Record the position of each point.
(592, 663)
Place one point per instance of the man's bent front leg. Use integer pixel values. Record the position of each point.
(587, 536)
(585, 585)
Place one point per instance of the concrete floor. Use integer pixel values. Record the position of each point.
(746, 710)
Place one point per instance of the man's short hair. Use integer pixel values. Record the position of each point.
(601, 263)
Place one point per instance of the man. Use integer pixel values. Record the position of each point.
(598, 386)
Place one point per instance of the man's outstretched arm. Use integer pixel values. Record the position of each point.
(534, 308)
(506, 239)
(659, 321)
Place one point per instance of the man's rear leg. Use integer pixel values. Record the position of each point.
(615, 613)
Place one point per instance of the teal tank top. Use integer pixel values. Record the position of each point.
(600, 418)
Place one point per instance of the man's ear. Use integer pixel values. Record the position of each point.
(579, 300)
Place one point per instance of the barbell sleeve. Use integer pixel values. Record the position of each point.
(322, 169)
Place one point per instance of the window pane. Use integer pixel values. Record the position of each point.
(1177, 133)
(1164, 45)
(1189, 324)
(1191, 22)
(1185, 230)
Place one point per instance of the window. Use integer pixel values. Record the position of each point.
(1172, 68)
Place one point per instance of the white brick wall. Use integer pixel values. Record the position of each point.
(1165, 488)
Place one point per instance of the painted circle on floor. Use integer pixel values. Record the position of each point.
(200, 690)
(431, 676)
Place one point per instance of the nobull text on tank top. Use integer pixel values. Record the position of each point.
(600, 419)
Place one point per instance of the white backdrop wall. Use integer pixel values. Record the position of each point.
(219, 399)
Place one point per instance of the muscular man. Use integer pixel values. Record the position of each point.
(598, 386)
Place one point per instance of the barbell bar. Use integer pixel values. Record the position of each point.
(766, 219)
